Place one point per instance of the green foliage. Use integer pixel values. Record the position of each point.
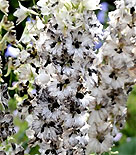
(34, 150)
(12, 104)
(20, 136)
(127, 148)
(130, 127)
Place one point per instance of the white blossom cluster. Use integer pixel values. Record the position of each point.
(72, 96)
(116, 74)
(67, 75)
(6, 119)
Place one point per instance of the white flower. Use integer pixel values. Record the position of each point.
(100, 93)
(91, 4)
(71, 19)
(30, 133)
(4, 4)
(77, 121)
(44, 8)
(114, 77)
(78, 43)
(22, 12)
(49, 111)
(130, 3)
(87, 100)
(44, 147)
(23, 55)
(29, 119)
(48, 7)
(29, 32)
(98, 113)
(83, 140)
(72, 140)
(54, 45)
(48, 134)
(100, 139)
(43, 78)
(26, 72)
(37, 124)
(39, 23)
(90, 81)
(61, 89)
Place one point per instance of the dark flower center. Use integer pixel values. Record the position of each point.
(118, 50)
(98, 106)
(113, 75)
(76, 44)
(100, 138)
(53, 44)
(79, 95)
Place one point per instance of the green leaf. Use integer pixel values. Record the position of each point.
(34, 150)
(46, 18)
(12, 104)
(128, 148)
(20, 136)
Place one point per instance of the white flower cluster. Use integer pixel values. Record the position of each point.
(67, 75)
(73, 97)
(6, 119)
(116, 76)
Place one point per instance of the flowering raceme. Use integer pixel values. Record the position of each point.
(72, 96)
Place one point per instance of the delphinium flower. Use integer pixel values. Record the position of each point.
(115, 76)
(9, 36)
(118, 65)
(31, 31)
(59, 111)
(4, 4)
(22, 12)
(79, 102)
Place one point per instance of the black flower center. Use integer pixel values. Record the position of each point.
(118, 50)
(53, 44)
(91, 71)
(113, 75)
(76, 44)
(100, 138)
(132, 10)
(79, 95)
